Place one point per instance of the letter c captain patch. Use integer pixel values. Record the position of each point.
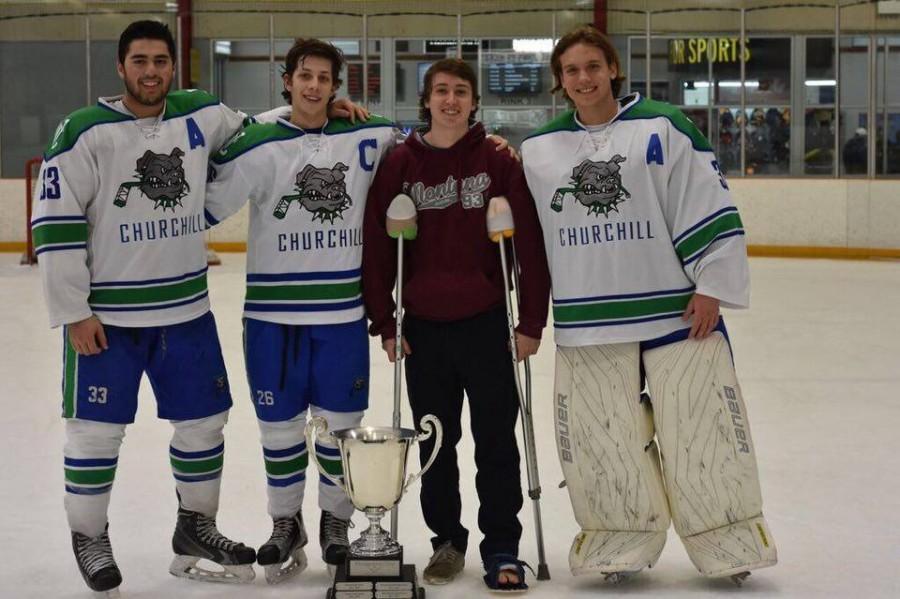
(366, 162)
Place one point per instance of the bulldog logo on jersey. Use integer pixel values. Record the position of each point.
(596, 185)
(161, 179)
(321, 191)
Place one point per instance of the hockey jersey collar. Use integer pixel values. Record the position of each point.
(286, 123)
(109, 103)
(626, 103)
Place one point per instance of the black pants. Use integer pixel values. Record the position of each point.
(471, 356)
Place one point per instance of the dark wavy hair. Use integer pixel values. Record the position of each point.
(453, 66)
(151, 30)
(313, 47)
(591, 36)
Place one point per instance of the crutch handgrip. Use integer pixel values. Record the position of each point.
(500, 222)
(401, 218)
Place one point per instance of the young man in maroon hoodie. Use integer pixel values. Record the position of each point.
(455, 333)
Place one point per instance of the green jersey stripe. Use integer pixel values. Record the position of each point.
(649, 109)
(197, 466)
(332, 467)
(703, 236)
(68, 131)
(70, 378)
(291, 466)
(59, 233)
(186, 101)
(332, 291)
(564, 122)
(621, 309)
(102, 476)
(150, 294)
(344, 125)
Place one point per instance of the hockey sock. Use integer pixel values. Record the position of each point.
(196, 453)
(331, 497)
(91, 456)
(285, 454)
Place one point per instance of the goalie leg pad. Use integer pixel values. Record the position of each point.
(604, 436)
(708, 457)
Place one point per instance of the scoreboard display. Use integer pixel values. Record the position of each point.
(514, 78)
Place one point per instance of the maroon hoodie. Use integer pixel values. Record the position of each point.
(452, 269)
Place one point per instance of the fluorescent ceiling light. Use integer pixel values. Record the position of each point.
(723, 84)
(820, 82)
(533, 45)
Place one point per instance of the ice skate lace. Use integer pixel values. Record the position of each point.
(282, 529)
(209, 534)
(95, 553)
(336, 529)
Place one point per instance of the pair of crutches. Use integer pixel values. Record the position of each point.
(401, 225)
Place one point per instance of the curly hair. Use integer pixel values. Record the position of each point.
(313, 47)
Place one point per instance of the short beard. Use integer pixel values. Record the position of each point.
(142, 99)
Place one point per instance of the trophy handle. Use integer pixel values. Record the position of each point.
(312, 431)
(434, 427)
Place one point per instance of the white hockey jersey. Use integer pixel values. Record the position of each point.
(307, 192)
(118, 224)
(636, 219)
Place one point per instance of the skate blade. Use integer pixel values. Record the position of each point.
(618, 577)
(295, 564)
(110, 594)
(738, 579)
(185, 566)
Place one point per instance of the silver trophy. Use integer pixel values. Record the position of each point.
(374, 465)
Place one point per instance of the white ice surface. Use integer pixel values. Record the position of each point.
(818, 357)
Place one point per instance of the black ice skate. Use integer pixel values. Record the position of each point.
(333, 540)
(196, 537)
(96, 563)
(283, 555)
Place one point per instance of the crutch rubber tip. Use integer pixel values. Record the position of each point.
(543, 572)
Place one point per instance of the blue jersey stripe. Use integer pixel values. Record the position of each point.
(283, 453)
(88, 490)
(286, 482)
(196, 455)
(59, 248)
(257, 307)
(197, 478)
(59, 219)
(703, 222)
(611, 323)
(331, 452)
(725, 235)
(304, 276)
(602, 298)
(90, 462)
(189, 275)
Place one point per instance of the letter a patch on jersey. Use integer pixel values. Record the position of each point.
(654, 150)
(195, 135)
